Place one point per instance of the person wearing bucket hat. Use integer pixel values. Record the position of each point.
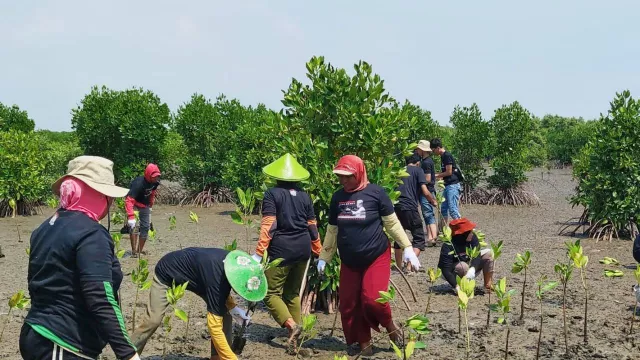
(453, 257)
(73, 274)
(288, 231)
(358, 215)
(141, 196)
(211, 273)
(428, 202)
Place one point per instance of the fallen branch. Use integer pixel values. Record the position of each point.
(400, 293)
(413, 293)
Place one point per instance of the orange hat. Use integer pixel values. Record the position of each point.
(461, 226)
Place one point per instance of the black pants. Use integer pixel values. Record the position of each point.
(412, 221)
(636, 248)
(35, 347)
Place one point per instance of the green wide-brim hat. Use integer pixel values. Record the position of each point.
(245, 276)
(286, 168)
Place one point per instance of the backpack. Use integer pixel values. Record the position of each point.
(458, 171)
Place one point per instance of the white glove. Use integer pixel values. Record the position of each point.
(257, 258)
(410, 256)
(321, 265)
(131, 223)
(239, 315)
(150, 209)
(135, 357)
(471, 273)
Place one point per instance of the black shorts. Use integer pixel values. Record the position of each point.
(412, 221)
(34, 346)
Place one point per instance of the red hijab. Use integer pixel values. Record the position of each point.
(352, 165)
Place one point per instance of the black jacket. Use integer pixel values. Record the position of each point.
(74, 279)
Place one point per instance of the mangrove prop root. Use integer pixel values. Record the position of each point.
(401, 295)
(335, 319)
(413, 293)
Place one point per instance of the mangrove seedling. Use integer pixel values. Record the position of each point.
(117, 237)
(172, 222)
(140, 278)
(522, 264)
(636, 290)
(28, 251)
(242, 216)
(543, 286)
(466, 292)
(13, 205)
(580, 261)
(232, 246)
(496, 250)
(503, 306)
(193, 217)
(174, 294)
(433, 276)
(564, 272)
(17, 301)
(309, 331)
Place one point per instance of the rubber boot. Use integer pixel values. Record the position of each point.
(134, 244)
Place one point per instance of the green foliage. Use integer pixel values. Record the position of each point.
(22, 172)
(613, 273)
(503, 305)
(608, 171)
(140, 278)
(128, 127)
(308, 330)
(544, 286)
(244, 208)
(565, 137)
(609, 261)
(537, 154)
(387, 296)
(266, 264)
(226, 143)
(174, 294)
(511, 127)
(172, 222)
(173, 154)
(16, 301)
(471, 141)
(580, 261)
(522, 262)
(117, 238)
(232, 246)
(12, 118)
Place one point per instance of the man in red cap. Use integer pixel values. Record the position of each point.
(142, 194)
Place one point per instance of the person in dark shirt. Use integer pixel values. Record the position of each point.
(211, 274)
(428, 204)
(413, 186)
(451, 181)
(636, 248)
(454, 259)
(73, 274)
(288, 231)
(141, 196)
(358, 215)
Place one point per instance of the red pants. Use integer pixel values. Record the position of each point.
(358, 292)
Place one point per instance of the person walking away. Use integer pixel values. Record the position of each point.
(211, 274)
(358, 215)
(428, 204)
(451, 181)
(454, 260)
(289, 231)
(73, 274)
(141, 196)
(407, 207)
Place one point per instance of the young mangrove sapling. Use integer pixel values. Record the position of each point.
(496, 250)
(543, 286)
(580, 261)
(17, 301)
(140, 278)
(503, 307)
(522, 264)
(466, 292)
(636, 290)
(564, 272)
(174, 294)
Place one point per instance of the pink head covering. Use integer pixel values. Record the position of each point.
(77, 196)
(353, 165)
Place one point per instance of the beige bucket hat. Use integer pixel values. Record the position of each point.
(424, 145)
(96, 172)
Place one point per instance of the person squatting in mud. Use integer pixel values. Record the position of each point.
(73, 274)
(288, 231)
(454, 260)
(141, 196)
(358, 213)
(211, 274)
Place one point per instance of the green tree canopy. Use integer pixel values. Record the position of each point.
(127, 127)
(12, 118)
(471, 141)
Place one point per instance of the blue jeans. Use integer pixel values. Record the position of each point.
(428, 212)
(450, 205)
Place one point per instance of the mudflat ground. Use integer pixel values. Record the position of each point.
(527, 228)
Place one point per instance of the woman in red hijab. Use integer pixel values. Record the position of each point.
(358, 215)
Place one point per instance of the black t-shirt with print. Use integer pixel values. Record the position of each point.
(411, 189)
(429, 167)
(140, 189)
(447, 159)
(293, 209)
(358, 215)
(203, 268)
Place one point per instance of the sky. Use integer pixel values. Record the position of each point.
(566, 57)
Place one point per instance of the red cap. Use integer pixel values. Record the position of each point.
(461, 226)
